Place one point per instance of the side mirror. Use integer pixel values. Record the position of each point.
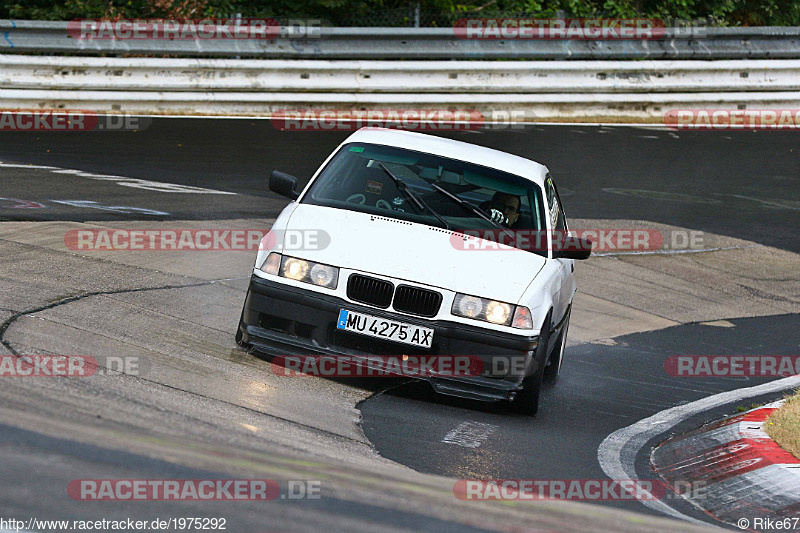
(283, 184)
(574, 249)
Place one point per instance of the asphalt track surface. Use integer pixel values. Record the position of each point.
(742, 184)
(600, 389)
(738, 184)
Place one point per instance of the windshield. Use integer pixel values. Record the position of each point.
(356, 179)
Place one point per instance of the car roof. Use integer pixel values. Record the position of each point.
(471, 153)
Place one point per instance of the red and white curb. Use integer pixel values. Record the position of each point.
(738, 473)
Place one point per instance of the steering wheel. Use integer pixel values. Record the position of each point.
(357, 198)
(383, 204)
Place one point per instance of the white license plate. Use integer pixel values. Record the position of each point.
(383, 328)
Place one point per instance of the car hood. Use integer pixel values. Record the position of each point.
(414, 252)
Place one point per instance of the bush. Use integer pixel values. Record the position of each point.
(399, 13)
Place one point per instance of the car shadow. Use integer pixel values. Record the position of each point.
(403, 387)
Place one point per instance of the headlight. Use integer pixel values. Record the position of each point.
(324, 275)
(467, 306)
(308, 272)
(498, 313)
(483, 309)
(295, 269)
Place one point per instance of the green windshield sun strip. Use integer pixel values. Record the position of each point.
(487, 182)
(386, 158)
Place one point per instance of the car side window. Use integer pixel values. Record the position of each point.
(557, 219)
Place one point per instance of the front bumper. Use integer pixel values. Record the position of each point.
(279, 319)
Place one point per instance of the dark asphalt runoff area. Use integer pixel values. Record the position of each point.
(740, 184)
(600, 389)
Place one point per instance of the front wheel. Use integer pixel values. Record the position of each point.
(527, 400)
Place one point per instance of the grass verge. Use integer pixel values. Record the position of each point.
(783, 425)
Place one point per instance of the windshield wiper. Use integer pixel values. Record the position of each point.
(472, 209)
(411, 195)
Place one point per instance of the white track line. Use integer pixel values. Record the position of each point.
(136, 183)
(618, 452)
(469, 434)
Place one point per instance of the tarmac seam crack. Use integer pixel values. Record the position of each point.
(77, 297)
(70, 299)
(753, 291)
(381, 391)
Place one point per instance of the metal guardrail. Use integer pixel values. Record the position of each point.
(396, 77)
(357, 68)
(577, 107)
(593, 91)
(416, 43)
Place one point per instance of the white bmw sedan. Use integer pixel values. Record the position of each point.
(434, 247)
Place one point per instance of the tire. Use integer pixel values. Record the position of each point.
(527, 400)
(553, 368)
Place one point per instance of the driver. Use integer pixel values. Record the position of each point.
(504, 208)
